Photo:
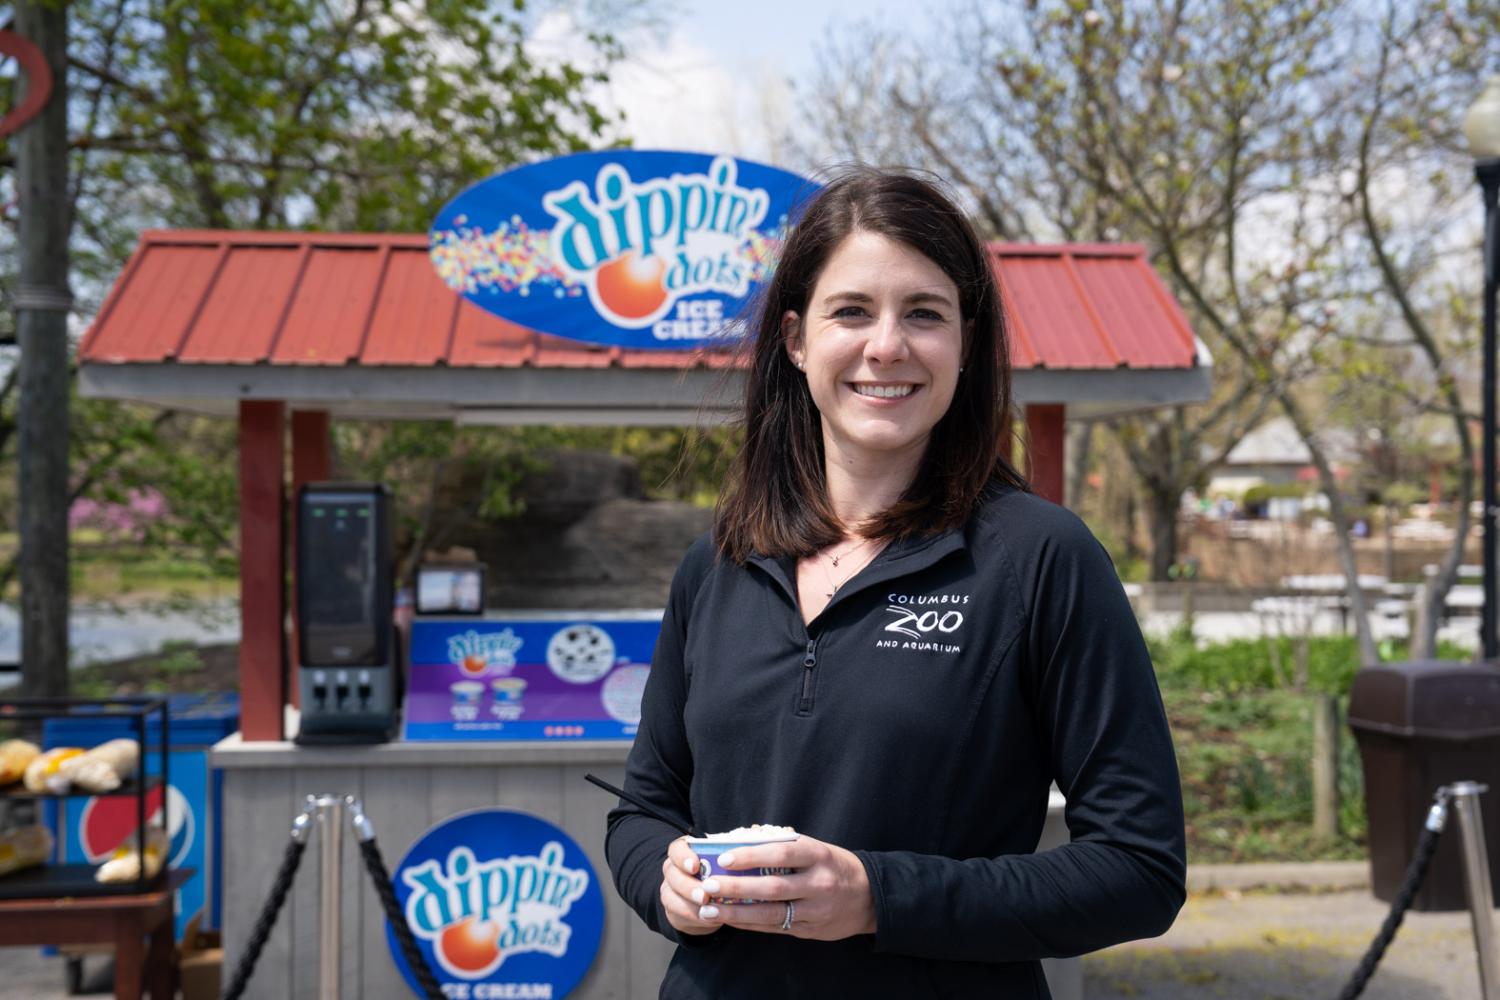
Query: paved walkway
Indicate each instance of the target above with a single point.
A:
(1259, 946)
(1230, 946)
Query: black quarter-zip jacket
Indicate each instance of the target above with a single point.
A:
(918, 721)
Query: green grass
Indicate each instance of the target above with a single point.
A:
(1244, 744)
(115, 572)
(1245, 760)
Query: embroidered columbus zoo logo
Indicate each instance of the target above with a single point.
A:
(925, 619)
(477, 914)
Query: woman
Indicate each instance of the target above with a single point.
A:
(889, 644)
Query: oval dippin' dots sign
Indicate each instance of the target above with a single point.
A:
(502, 904)
(630, 248)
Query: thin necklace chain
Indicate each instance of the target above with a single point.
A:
(833, 584)
(850, 550)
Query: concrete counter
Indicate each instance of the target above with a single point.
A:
(406, 789)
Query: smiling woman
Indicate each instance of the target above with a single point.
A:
(881, 347)
(803, 676)
(883, 291)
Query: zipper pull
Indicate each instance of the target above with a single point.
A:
(809, 661)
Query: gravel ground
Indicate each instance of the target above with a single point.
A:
(26, 975)
(1229, 946)
(1255, 946)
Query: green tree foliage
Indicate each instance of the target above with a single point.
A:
(363, 114)
(354, 114)
(1291, 166)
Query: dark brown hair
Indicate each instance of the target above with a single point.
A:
(776, 503)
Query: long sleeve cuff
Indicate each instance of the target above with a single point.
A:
(1056, 904)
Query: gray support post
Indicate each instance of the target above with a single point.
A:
(1477, 882)
(330, 895)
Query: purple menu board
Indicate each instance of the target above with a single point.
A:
(542, 676)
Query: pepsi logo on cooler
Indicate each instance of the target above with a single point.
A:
(631, 248)
(107, 823)
(502, 904)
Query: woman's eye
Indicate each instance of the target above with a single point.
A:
(926, 315)
(848, 312)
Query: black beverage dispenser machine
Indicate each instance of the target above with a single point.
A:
(350, 677)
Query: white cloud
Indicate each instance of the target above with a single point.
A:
(675, 93)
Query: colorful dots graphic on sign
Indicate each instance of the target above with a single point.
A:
(631, 248)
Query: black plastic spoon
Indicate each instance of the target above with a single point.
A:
(675, 824)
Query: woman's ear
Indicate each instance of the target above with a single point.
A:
(791, 336)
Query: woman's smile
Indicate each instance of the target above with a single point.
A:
(884, 390)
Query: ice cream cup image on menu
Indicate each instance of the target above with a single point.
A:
(466, 692)
(709, 848)
(508, 690)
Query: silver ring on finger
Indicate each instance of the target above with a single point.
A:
(791, 914)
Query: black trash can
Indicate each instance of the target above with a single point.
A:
(1420, 725)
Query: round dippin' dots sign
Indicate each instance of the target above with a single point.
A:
(502, 904)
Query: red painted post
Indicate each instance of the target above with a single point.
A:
(1044, 448)
(312, 458)
(312, 447)
(262, 569)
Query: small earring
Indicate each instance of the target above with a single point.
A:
(960, 369)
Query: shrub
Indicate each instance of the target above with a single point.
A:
(1248, 664)
(1257, 495)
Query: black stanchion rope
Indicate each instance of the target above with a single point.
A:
(1416, 872)
(279, 889)
(414, 958)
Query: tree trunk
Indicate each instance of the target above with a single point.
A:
(1080, 438)
(1390, 542)
(1162, 510)
(1435, 594)
(41, 322)
(1368, 653)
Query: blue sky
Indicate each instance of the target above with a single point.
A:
(781, 30)
(716, 76)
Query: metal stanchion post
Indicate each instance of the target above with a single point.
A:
(330, 845)
(1477, 882)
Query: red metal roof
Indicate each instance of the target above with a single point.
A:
(296, 298)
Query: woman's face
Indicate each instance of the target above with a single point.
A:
(881, 344)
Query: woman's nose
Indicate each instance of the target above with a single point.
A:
(887, 343)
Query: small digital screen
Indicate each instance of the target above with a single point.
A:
(450, 590)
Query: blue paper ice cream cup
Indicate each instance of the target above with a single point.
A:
(710, 848)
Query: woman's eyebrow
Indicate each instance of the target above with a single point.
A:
(912, 299)
(938, 297)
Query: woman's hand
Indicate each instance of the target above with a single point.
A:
(682, 895)
(828, 888)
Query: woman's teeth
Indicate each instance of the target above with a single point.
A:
(885, 391)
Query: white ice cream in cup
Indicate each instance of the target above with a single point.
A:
(466, 692)
(711, 846)
(508, 689)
